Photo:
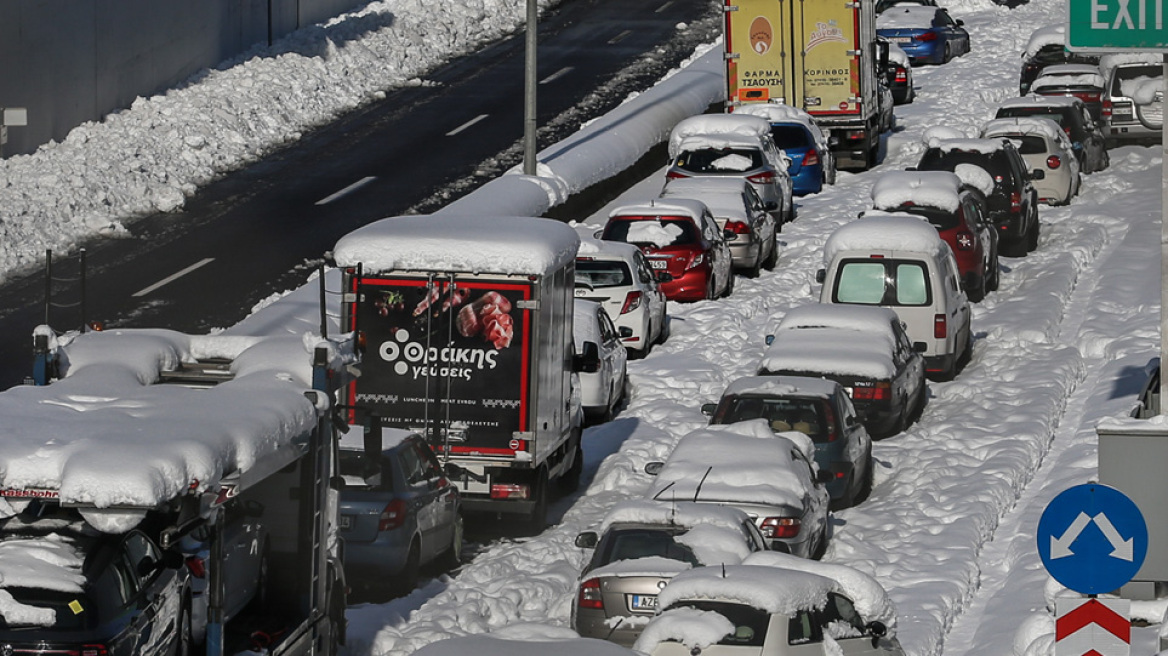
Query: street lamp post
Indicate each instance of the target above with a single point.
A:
(529, 87)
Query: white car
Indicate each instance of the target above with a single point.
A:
(738, 209)
(1045, 147)
(770, 476)
(770, 609)
(602, 360)
(619, 277)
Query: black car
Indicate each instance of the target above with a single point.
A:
(95, 594)
(1071, 114)
(1013, 202)
(1048, 55)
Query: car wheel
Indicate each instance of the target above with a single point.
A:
(977, 289)
(663, 334)
(753, 271)
(729, 287)
(947, 56)
(259, 600)
(537, 520)
(406, 580)
(1032, 236)
(865, 483)
(773, 257)
(183, 640)
(995, 275)
(452, 557)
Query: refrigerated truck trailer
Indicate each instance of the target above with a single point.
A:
(467, 329)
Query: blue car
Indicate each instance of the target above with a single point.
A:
(928, 35)
(812, 164)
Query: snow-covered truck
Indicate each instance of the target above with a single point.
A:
(154, 428)
(822, 57)
(467, 330)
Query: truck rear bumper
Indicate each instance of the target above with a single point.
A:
(501, 506)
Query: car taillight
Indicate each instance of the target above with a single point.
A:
(632, 302)
(872, 391)
(393, 516)
(673, 175)
(1053, 162)
(94, 650)
(696, 261)
(1015, 201)
(927, 36)
(1106, 108)
(766, 177)
(738, 227)
(1087, 96)
(590, 595)
(831, 432)
(780, 527)
(901, 75)
(855, 135)
(811, 158)
(510, 491)
(940, 326)
(196, 567)
(964, 240)
(1120, 109)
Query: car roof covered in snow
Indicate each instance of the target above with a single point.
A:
(718, 124)
(896, 234)
(686, 514)
(602, 249)
(897, 55)
(775, 113)
(865, 318)
(776, 590)
(1090, 77)
(694, 209)
(984, 146)
(585, 326)
(830, 352)
(906, 17)
(1024, 125)
(1045, 36)
(781, 386)
(476, 244)
(939, 189)
(1040, 101)
(871, 599)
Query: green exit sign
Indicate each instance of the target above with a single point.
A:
(1117, 25)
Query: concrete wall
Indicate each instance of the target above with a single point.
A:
(71, 61)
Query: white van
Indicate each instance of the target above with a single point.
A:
(898, 261)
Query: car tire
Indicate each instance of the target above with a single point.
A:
(977, 290)
(663, 334)
(259, 600)
(184, 642)
(570, 480)
(537, 520)
(773, 256)
(1032, 236)
(451, 559)
(406, 580)
(729, 287)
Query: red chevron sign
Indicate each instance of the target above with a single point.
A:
(1092, 627)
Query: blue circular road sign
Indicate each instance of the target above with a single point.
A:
(1092, 538)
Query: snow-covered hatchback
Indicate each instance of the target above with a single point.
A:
(619, 277)
(1044, 147)
(638, 547)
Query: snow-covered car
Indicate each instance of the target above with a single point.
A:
(733, 145)
(817, 407)
(619, 277)
(899, 262)
(1012, 201)
(398, 511)
(797, 134)
(899, 73)
(1045, 147)
(864, 349)
(928, 35)
(769, 476)
(1047, 47)
(1082, 81)
(956, 213)
(885, 5)
(1133, 101)
(681, 238)
(246, 549)
(1071, 114)
(638, 547)
(739, 211)
(602, 360)
(766, 610)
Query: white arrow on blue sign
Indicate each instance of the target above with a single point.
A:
(1092, 538)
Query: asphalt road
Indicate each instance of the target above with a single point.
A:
(261, 230)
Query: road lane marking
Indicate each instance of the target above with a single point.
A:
(347, 190)
(171, 278)
(620, 37)
(466, 125)
(558, 74)
(665, 6)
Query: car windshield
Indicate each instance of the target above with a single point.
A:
(750, 624)
(720, 160)
(598, 273)
(790, 136)
(882, 282)
(784, 414)
(630, 543)
(652, 231)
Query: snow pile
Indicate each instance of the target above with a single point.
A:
(696, 629)
(891, 233)
(513, 245)
(871, 600)
(1001, 127)
(775, 113)
(975, 176)
(1050, 80)
(772, 589)
(747, 128)
(938, 189)
(906, 17)
(938, 133)
(657, 233)
(50, 562)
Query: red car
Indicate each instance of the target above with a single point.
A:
(681, 238)
(957, 211)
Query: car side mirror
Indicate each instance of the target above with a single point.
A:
(624, 331)
(709, 408)
(876, 629)
(729, 235)
(959, 22)
(663, 276)
(587, 540)
(598, 233)
(920, 347)
(654, 468)
(588, 361)
(1038, 174)
(910, 168)
(770, 339)
(820, 276)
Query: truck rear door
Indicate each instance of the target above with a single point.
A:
(758, 55)
(827, 57)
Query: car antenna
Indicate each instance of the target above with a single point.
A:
(614, 628)
(723, 570)
(656, 496)
(702, 482)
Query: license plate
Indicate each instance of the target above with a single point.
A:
(643, 602)
(900, 39)
(346, 522)
(658, 264)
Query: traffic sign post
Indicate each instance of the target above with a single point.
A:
(1092, 538)
(1092, 626)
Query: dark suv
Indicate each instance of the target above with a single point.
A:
(1013, 202)
(1048, 55)
(89, 593)
(1072, 115)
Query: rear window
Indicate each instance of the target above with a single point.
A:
(806, 416)
(936, 160)
(750, 624)
(1029, 145)
(597, 274)
(790, 136)
(1053, 113)
(680, 231)
(720, 160)
(882, 282)
(362, 473)
(940, 219)
(627, 544)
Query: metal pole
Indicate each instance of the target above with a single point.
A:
(529, 86)
(1163, 245)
